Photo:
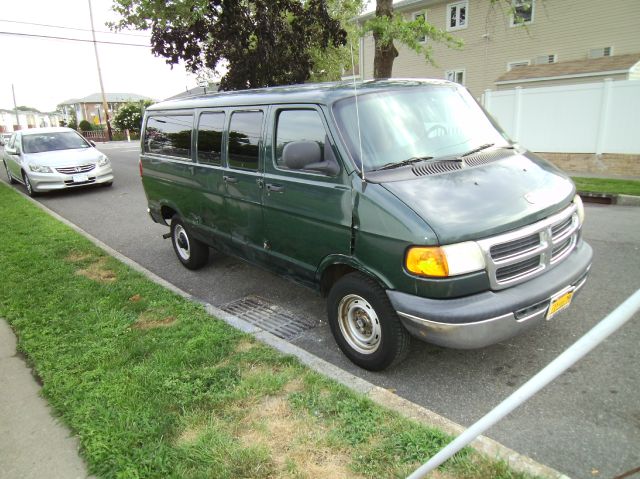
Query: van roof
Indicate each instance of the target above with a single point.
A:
(321, 93)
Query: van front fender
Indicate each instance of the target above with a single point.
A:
(335, 266)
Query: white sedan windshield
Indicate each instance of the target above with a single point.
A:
(67, 140)
(418, 122)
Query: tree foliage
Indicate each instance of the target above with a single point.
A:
(330, 62)
(85, 126)
(73, 121)
(264, 42)
(129, 116)
(388, 26)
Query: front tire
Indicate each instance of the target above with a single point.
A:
(364, 324)
(191, 252)
(28, 185)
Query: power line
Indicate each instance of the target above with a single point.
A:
(73, 39)
(71, 28)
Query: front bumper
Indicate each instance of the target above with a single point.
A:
(492, 316)
(42, 182)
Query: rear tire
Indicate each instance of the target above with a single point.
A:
(191, 252)
(364, 324)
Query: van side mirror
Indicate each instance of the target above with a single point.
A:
(306, 155)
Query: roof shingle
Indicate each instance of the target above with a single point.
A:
(575, 67)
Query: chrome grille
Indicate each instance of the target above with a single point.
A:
(516, 247)
(519, 255)
(73, 170)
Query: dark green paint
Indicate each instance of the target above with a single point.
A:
(314, 221)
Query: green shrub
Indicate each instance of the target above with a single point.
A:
(85, 126)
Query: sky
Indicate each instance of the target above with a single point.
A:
(46, 72)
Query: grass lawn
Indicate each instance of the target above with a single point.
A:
(154, 387)
(606, 185)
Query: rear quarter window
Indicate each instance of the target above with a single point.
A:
(169, 135)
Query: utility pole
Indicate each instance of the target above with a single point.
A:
(104, 98)
(15, 107)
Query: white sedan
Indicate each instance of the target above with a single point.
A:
(46, 159)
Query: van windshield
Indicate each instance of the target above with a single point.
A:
(431, 121)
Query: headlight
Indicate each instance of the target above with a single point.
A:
(103, 161)
(445, 261)
(40, 169)
(580, 208)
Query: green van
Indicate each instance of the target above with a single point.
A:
(399, 200)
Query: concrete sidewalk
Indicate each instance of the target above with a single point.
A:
(33, 444)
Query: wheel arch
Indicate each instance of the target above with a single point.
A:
(335, 267)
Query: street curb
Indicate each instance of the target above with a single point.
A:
(378, 395)
(609, 198)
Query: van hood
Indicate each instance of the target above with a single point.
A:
(478, 202)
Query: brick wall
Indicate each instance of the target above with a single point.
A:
(609, 164)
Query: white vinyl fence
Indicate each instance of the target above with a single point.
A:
(595, 118)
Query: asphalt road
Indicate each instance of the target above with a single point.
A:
(585, 424)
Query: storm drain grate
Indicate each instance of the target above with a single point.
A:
(270, 317)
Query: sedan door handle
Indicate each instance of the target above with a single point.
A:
(275, 188)
(230, 179)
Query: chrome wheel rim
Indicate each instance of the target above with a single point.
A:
(181, 240)
(359, 324)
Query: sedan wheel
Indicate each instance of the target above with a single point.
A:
(28, 186)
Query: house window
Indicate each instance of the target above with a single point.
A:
(457, 15)
(521, 63)
(522, 12)
(422, 16)
(544, 59)
(455, 76)
(600, 52)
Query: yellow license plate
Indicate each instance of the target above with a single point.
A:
(559, 302)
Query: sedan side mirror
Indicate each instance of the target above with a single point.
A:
(306, 155)
(92, 143)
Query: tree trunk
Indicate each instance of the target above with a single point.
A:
(385, 54)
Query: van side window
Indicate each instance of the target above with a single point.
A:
(244, 139)
(210, 129)
(169, 135)
(298, 125)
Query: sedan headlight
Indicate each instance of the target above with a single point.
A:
(103, 161)
(40, 169)
(445, 261)
(580, 208)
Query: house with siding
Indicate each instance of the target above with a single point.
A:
(90, 107)
(546, 42)
(27, 119)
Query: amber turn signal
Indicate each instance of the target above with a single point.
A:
(427, 261)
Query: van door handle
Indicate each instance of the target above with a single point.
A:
(275, 188)
(230, 179)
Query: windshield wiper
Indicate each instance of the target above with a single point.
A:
(414, 159)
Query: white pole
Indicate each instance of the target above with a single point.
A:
(579, 349)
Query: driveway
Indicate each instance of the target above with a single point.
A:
(586, 424)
